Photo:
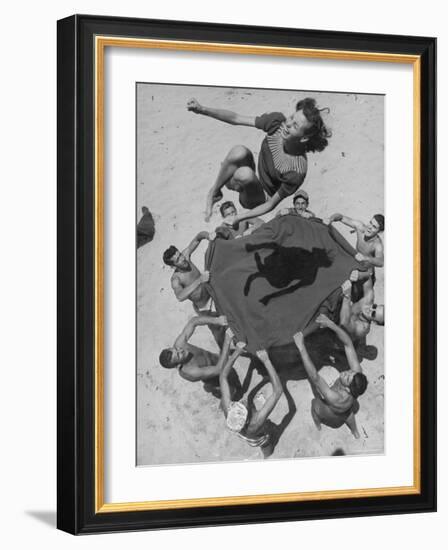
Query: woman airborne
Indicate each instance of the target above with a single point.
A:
(282, 162)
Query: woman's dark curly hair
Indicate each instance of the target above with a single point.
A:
(318, 134)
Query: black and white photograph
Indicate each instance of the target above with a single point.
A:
(260, 274)
(195, 345)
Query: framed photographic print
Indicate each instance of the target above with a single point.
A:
(224, 270)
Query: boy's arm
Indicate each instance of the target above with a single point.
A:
(376, 259)
(379, 254)
(195, 243)
(284, 212)
(194, 322)
(186, 334)
(355, 224)
(346, 307)
(352, 357)
(230, 117)
(317, 381)
(217, 321)
(259, 418)
(346, 311)
(194, 373)
(368, 292)
(183, 292)
(225, 371)
(211, 199)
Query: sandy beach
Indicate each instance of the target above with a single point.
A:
(178, 157)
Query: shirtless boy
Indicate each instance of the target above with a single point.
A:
(356, 318)
(247, 422)
(300, 203)
(187, 281)
(282, 162)
(335, 405)
(195, 363)
(228, 212)
(368, 244)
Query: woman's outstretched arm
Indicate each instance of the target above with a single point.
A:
(225, 370)
(260, 210)
(221, 114)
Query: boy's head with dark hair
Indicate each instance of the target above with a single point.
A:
(227, 208)
(166, 358)
(168, 255)
(358, 385)
(355, 382)
(380, 219)
(375, 226)
(373, 313)
(172, 357)
(176, 259)
(301, 201)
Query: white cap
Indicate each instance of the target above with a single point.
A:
(236, 416)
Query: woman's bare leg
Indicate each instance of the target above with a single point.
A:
(245, 181)
(237, 157)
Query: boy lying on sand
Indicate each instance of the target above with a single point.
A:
(195, 363)
(187, 281)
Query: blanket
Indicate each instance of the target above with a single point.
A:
(272, 283)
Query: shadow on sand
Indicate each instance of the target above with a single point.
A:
(324, 349)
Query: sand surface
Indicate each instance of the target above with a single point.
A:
(178, 157)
